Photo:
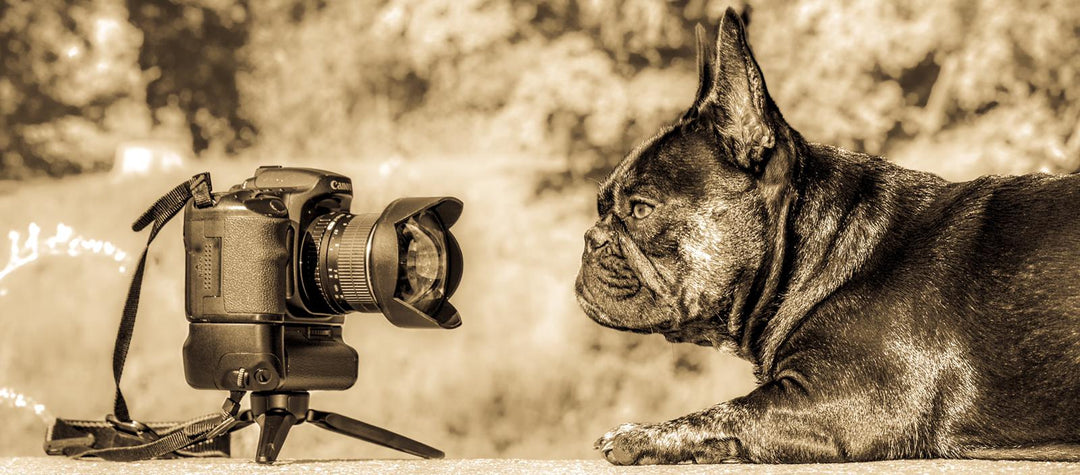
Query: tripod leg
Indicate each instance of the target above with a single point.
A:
(376, 435)
(275, 425)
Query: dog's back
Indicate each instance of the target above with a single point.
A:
(1018, 305)
(970, 302)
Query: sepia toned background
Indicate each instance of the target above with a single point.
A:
(517, 108)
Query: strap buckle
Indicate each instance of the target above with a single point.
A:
(201, 187)
(134, 428)
(227, 423)
(229, 410)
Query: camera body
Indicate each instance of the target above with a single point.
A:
(250, 328)
(274, 263)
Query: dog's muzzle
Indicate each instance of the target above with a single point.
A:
(604, 263)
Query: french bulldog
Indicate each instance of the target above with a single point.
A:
(888, 313)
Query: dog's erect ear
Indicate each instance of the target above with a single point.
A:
(706, 68)
(738, 104)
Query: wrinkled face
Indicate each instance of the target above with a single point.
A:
(683, 219)
(678, 228)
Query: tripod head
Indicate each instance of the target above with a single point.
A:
(277, 412)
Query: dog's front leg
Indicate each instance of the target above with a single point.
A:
(774, 423)
(701, 437)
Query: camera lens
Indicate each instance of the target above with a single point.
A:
(335, 268)
(403, 262)
(334, 263)
(422, 262)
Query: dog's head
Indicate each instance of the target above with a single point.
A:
(683, 219)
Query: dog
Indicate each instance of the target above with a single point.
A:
(888, 313)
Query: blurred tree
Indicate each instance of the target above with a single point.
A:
(554, 78)
(77, 78)
(68, 86)
(573, 83)
(192, 51)
(929, 82)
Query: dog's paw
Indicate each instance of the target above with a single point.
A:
(654, 444)
(635, 444)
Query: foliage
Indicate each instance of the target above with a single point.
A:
(79, 78)
(572, 83)
(549, 78)
(66, 86)
(578, 83)
(191, 55)
(995, 80)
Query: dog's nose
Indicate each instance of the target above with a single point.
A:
(596, 238)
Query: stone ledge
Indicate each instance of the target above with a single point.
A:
(234, 466)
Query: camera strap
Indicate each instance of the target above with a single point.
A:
(119, 438)
(198, 187)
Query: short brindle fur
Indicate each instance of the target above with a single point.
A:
(888, 313)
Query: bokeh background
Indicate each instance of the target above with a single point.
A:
(517, 107)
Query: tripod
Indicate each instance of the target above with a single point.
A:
(277, 412)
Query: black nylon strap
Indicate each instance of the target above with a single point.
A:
(159, 213)
(185, 435)
(120, 438)
(74, 436)
(174, 439)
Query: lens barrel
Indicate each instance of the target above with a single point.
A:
(404, 263)
(335, 259)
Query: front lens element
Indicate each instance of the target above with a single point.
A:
(422, 262)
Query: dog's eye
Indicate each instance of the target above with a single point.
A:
(642, 210)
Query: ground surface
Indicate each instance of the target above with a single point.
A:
(55, 465)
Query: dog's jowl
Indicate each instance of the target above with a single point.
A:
(888, 313)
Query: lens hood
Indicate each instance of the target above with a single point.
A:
(384, 263)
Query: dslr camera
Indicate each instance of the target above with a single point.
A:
(272, 267)
(275, 263)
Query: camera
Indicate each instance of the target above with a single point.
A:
(273, 265)
(275, 262)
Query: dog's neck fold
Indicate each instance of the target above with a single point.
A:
(828, 222)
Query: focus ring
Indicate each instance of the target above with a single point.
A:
(316, 232)
(352, 265)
